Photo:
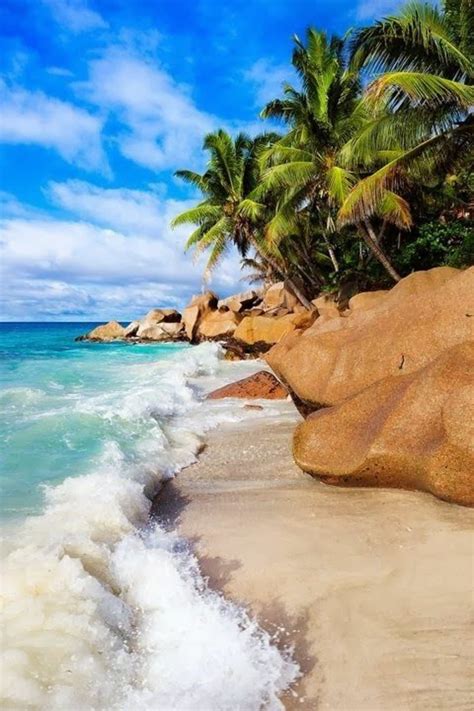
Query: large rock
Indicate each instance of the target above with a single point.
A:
(326, 306)
(218, 324)
(254, 329)
(414, 431)
(107, 332)
(163, 315)
(279, 296)
(240, 302)
(366, 299)
(132, 329)
(397, 333)
(155, 317)
(260, 385)
(197, 309)
(162, 332)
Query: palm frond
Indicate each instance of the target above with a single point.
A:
(420, 87)
(339, 181)
(284, 175)
(197, 215)
(251, 209)
(416, 163)
(189, 176)
(396, 210)
(418, 38)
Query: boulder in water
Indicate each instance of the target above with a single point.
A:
(197, 309)
(162, 332)
(107, 332)
(156, 317)
(132, 329)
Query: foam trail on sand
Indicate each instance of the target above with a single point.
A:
(102, 610)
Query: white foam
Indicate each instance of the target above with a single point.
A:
(101, 612)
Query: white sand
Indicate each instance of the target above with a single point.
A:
(372, 587)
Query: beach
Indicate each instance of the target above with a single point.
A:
(371, 587)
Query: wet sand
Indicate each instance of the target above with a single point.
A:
(372, 587)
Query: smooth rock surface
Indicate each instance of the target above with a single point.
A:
(254, 329)
(278, 295)
(423, 315)
(198, 308)
(259, 385)
(132, 329)
(414, 431)
(326, 306)
(155, 317)
(218, 324)
(162, 331)
(240, 302)
(107, 332)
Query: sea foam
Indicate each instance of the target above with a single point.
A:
(104, 611)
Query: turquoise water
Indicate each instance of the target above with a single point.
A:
(60, 405)
(100, 607)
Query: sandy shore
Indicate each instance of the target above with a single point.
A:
(372, 587)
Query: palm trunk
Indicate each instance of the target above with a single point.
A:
(331, 253)
(293, 287)
(371, 241)
(274, 265)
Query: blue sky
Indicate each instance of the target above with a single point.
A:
(100, 104)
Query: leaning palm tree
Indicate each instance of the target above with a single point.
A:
(304, 167)
(420, 101)
(228, 214)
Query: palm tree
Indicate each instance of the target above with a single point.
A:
(304, 167)
(420, 102)
(229, 214)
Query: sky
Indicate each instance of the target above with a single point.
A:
(100, 103)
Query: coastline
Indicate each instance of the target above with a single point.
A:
(350, 578)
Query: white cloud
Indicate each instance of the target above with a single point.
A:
(161, 126)
(268, 79)
(130, 211)
(369, 9)
(75, 15)
(122, 261)
(32, 117)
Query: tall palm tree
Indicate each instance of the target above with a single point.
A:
(420, 101)
(304, 167)
(229, 214)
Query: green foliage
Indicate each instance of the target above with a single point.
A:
(438, 244)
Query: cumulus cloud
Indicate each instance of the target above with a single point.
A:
(75, 15)
(33, 118)
(130, 211)
(119, 261)
(268, 79)
(161, 126)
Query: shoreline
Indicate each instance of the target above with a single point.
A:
(349, 578)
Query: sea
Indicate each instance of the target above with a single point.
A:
(101, 608)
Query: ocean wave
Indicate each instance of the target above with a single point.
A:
(102, 610)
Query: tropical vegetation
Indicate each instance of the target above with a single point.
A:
(370, 173)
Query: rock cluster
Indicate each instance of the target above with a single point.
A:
(390, 383)
(249, 323)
